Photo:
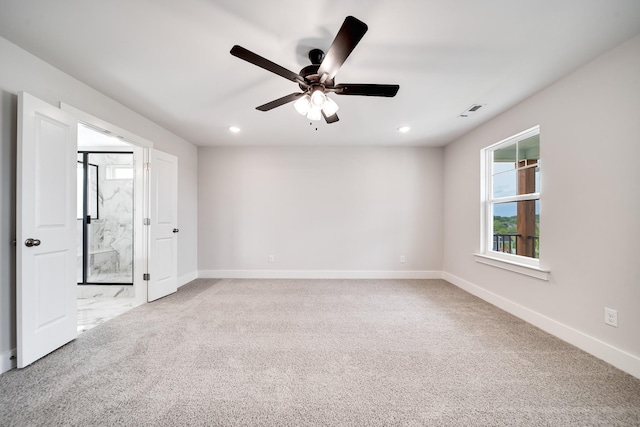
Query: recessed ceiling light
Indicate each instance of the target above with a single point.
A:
(234, 129)
(404, 129)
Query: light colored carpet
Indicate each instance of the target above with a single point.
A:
(318, 352)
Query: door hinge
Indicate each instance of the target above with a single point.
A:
(147, 166)
(146, 277)
(146, 221)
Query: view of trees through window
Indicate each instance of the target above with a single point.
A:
(505, 232)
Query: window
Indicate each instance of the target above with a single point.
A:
(511, 199)
(119, 172)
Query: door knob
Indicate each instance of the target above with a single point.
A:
(31, 242)
(176, 230)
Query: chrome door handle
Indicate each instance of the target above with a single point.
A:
(31, 242)
(176, 230)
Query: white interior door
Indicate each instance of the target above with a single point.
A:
(163, 236)
(46, 227)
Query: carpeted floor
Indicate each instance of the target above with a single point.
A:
(319, 352)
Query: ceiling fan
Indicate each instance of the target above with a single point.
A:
(317, 80)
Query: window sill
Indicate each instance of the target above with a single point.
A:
(527, 270)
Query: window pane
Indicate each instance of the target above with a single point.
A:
(505, 227)
(119, 172)
(529, 149)
(499, 167)
(527, 179)
(529, 171)
(536, 238)
(504, 159)
(516, 228)
(505, 184)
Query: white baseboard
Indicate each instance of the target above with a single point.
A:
(6, 361)
(186, 278)
(619, 358)
(317, 274)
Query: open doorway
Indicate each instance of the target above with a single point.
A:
(105, 227)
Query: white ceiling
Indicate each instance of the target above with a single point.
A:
(169, 60)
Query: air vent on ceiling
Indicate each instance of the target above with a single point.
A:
(469, 111)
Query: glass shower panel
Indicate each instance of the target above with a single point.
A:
(110, 232)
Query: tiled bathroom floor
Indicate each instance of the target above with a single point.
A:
(94, 311)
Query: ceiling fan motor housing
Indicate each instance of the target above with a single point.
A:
(310, 75)
(316, 56)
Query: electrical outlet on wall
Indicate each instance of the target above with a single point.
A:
(402, 258)
(611, 317)
(272, 258)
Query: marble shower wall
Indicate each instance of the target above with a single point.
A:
(111, 234)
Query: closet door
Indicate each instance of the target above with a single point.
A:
(45, 229)
(163, 236)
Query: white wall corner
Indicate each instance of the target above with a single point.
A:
(622, 360)
(186, 278)
(7, 361)
(318, 274)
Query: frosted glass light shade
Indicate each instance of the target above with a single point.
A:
(318, 98)
(315, 113)
(330, 107)
(303, 105)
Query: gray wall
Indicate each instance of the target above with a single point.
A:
(319, 208)
(21, 71)
(590, 204)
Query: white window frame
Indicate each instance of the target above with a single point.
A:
(516, 263)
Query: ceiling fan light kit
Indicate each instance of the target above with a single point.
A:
(317, 79)
(313, 106)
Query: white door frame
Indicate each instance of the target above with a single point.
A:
(140, 147)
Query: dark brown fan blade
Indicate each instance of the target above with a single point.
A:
(330, 119)
(366, 89)
(247, 55)
(346, 40)
(278, 102)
